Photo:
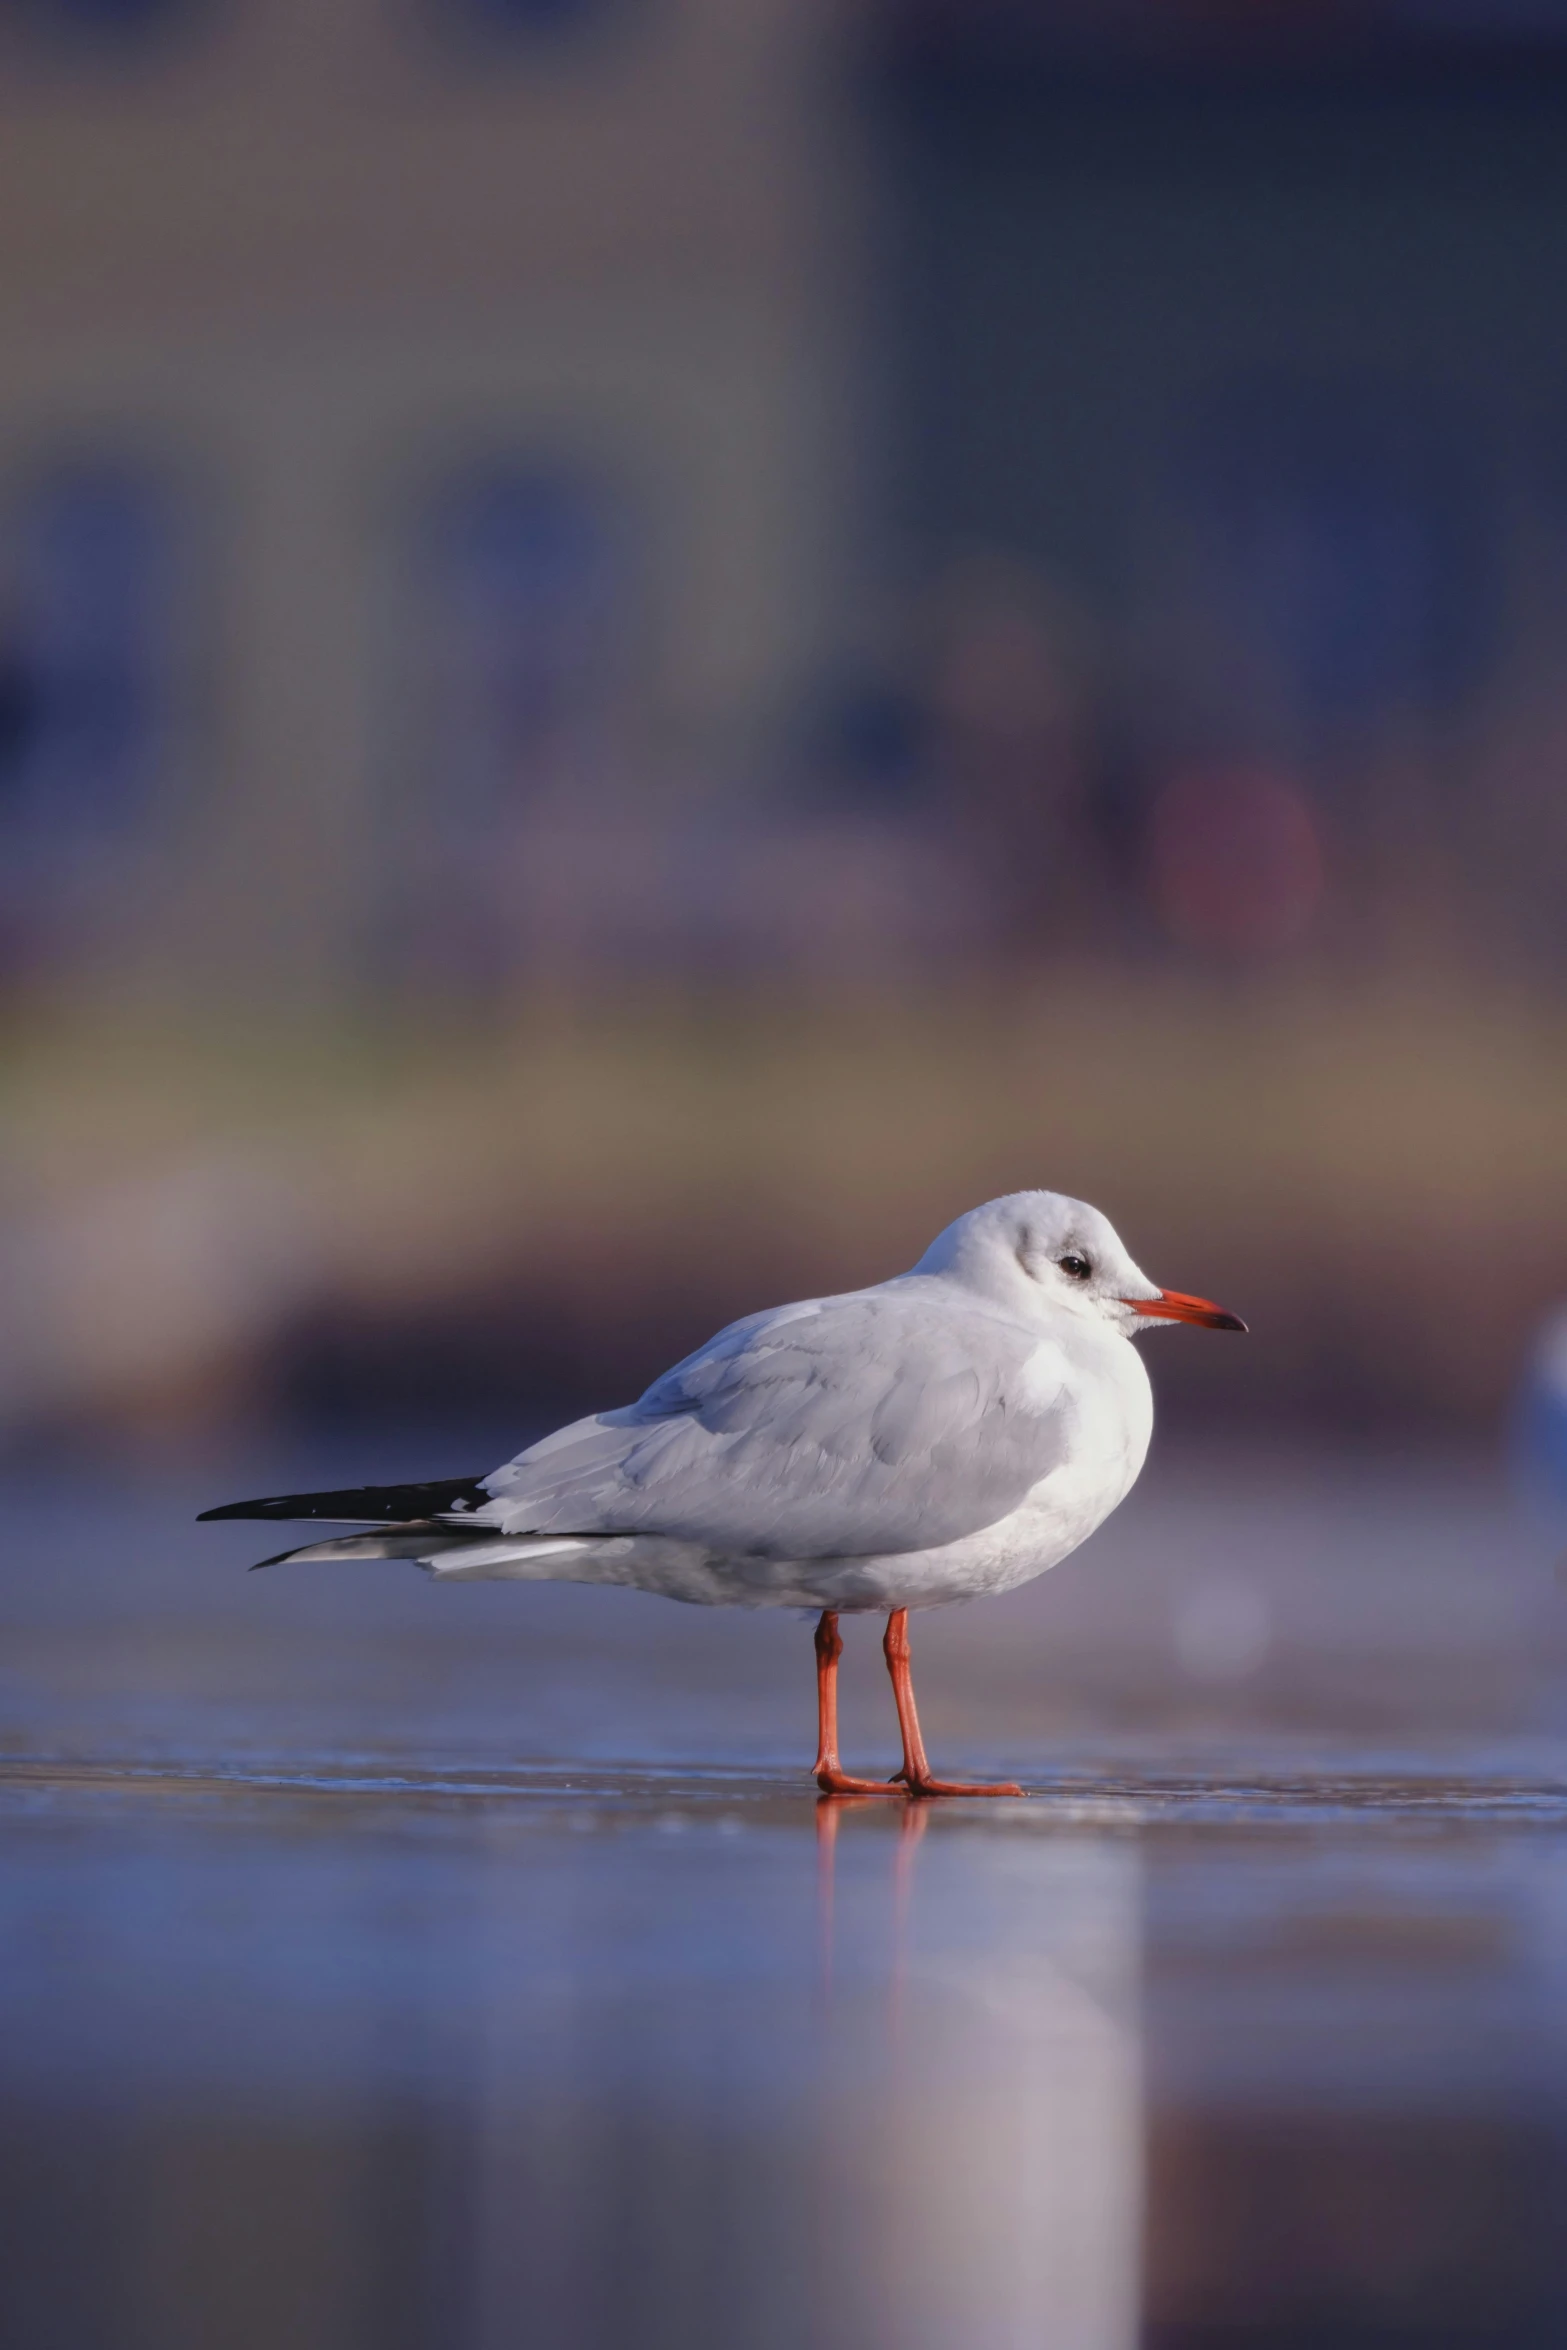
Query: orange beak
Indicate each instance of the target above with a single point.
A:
(1171, 1306)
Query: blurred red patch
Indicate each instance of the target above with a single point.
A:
(1235, 859)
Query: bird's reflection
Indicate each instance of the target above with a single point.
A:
(913, 1820)
(980, 1990)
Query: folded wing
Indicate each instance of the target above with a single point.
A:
(890, 1420)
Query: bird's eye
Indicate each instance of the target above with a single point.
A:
(1079, 1268)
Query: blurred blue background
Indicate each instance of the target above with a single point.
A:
(644, 647)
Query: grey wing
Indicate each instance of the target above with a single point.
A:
(890, 1420)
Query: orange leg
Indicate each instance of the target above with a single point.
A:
(916, 1772)
(831, 1777)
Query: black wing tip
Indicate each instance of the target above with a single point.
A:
(281, 1505)
(361, 1504)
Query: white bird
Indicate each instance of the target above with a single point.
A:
(951, 1432)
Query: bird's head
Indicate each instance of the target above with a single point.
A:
(1038, 1249)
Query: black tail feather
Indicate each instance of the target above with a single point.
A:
(365, 1504)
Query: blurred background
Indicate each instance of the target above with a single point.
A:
(645, 645)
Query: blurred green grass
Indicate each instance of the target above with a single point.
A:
(1373, 1175)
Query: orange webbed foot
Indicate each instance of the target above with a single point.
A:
(832, 1781)
(922, 1787)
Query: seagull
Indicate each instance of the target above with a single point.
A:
(952, 1432)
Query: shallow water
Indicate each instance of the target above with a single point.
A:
(388, 1965)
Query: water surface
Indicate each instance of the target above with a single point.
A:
(391, 1965)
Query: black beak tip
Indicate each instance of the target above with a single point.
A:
(1231, 1322)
